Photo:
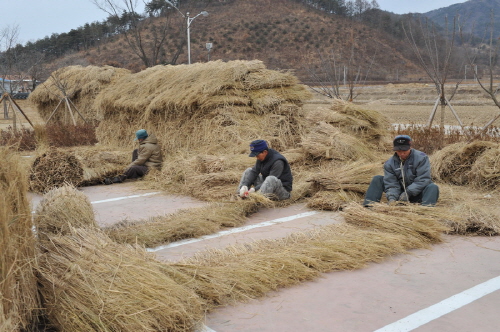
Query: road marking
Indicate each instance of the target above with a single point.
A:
(442, 308)
(233, 231)
(124, 197)
(205, 328)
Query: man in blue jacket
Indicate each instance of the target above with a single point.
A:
(271, 175)
(407, 177)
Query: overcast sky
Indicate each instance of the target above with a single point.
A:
(40, 18)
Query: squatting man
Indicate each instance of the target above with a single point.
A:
(407, 177)
(147, 156)
(271, 175)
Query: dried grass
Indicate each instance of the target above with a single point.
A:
(453, 163)
(54, 168)
(61, 209)
(19, 300)
(187, 223)
(333, 200)
(80, 84)
(485, 173)
(90, 283)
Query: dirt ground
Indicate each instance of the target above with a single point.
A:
(401, 103)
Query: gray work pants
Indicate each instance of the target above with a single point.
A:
(428, 196)
(270, 187)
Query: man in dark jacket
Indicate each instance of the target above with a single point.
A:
(271, 175)
(146, 156)
(407, 177)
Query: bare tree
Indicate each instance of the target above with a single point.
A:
(147, 39)
(435, 52)
(8, 39)
(340, 73)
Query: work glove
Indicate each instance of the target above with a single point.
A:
(404, 197)
(243, 191)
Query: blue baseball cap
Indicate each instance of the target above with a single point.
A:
(141, 134)
(257, 147)
(402, 143)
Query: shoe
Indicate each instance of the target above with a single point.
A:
(108, 181)
(118, 179)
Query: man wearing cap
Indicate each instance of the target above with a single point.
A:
(271, 175)
(407, 177)
(147, 155)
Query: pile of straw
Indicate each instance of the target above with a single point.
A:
(345, 132)
(90, 283)
(62, 208)
(184, 224)
(53, 169)
(19, 299)
(242, 272)
(242, 99)
(80, 84)
(485, 173)
(453, 164)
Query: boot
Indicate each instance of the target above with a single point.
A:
(119, 179)
(108, 181)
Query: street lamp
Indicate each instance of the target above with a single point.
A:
(189, 20)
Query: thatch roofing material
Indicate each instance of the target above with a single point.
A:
(55, 168)
(80, 84)
(90, 283)
(61, 209)
(453, 164)
(19, 299)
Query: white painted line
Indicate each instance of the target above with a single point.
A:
(205, 328)
(442, 308)
(233, 231)
(124, 197)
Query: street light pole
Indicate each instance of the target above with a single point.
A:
(188, 21)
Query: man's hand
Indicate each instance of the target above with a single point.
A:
(391, 202)
(244, 191)
(404, 197)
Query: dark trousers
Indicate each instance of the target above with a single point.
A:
(428, 196)
(135, 172)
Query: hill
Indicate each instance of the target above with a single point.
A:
(474, 16)
(284, 34)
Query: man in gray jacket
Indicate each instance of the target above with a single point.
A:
(407, 177)
(271, 175)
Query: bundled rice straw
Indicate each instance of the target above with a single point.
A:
(19, 300)
(62, 208)
(185, 223)
(242, 272)
(90, 283)
(189, 102)
(80, 84)
(355, 176)
(485, 173)
(54, 168)
(333, 200)
(453, 163)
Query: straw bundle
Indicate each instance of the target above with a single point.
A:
(355, 176)
(63, 208)
(242, 272)
(80, 84)
(453, 163)
(188, 102)
(54, 168)
(90, 283)
(485, 173)
(333, 200)
(19, 300)
(184, 224)
(418, 230)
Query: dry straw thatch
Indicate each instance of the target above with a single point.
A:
(251, 270)
(201, 104)
(345, 132)
(61, 209)
(19, 300)
(90, 283)
(54, 168)
(80, 84)
(453, 164)
(184, 224)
